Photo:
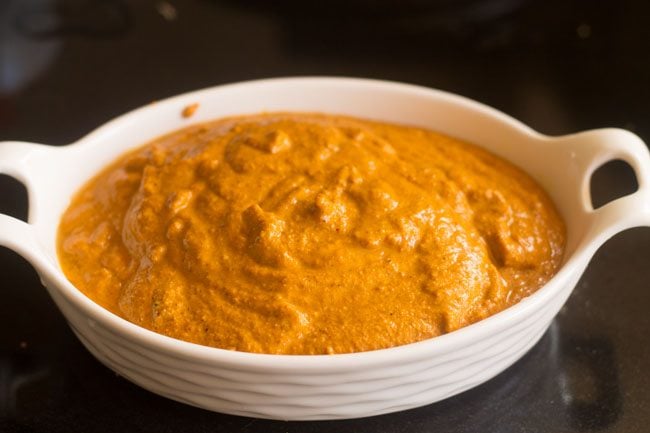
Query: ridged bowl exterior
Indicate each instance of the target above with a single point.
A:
(290, 394)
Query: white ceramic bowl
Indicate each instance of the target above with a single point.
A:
(327, 386)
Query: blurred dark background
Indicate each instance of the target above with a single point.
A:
(560, 66)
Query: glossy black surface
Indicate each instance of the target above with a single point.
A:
(558, 65)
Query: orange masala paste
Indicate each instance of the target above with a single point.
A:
(308, 234)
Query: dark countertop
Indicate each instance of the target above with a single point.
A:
(558, 65)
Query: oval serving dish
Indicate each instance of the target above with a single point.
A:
(293, 387)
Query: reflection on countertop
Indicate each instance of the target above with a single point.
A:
(18, 369)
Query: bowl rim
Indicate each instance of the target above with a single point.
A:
(572, 264)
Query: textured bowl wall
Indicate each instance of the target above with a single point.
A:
(424, 376)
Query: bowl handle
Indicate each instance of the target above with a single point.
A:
(633, 210)
(16, 161)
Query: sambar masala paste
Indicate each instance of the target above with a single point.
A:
(308, 234)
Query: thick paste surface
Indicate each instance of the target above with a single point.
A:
(308, 234)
